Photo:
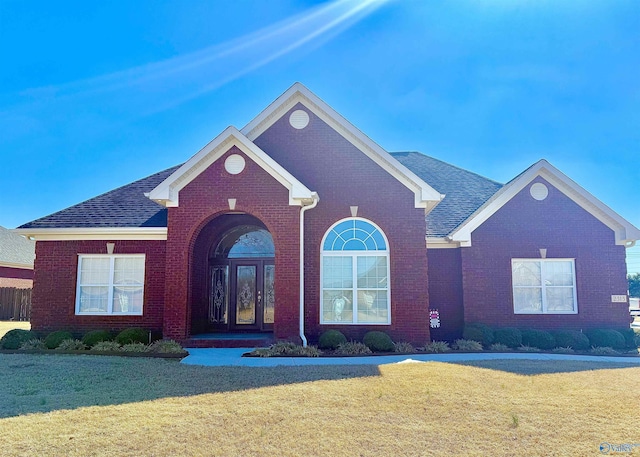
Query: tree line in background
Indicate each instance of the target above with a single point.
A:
(634, 285)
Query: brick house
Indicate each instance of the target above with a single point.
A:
(299, 223)
(16, 260)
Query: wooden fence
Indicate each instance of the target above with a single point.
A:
(15, 304)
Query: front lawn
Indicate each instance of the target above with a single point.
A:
(87, 405)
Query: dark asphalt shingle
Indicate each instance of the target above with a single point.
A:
(128, 207)
(16, 249)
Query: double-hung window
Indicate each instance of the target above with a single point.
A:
(110, 284)
(544, 286)
(355, 274)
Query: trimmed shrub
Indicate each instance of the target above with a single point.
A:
(378, 342)
(71, 345)
(95, 336)
(404, 347)
(606, 338)
(15, 338)
(538, 339)
(499, 347)
(33, 344)
(132, 335)
(629, 337)
(437, 347)
(353, 348)
(331, 339)
(510, 337)
(169, 347)
(467, 345)
(574, 339)
(106, 346)
(481, 333)
(53, 340)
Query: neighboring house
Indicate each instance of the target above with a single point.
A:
(16, 260)
(299, 223)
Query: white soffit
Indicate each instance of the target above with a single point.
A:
(425, 195)
(97, 233)
(167, 192)
(625, 232)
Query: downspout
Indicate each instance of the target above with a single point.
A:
(313, 204)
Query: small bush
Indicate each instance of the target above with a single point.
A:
(573, 339)
(629, 338)
(331, 339)
(53, 340)
(71, 345)
(508, 336)
(404, 347)
(95, 336)
(478, 332)
(437, 347)
(106, 346)
(15, 338)
(603, 350)
(538, 339)
(499, 347)
(285, 348)
(563, 350)
(526, 348)
(165, 347)
(36, 343)
(134, 347)
(467, 345)
(606, 338)
(378, 342)
(132, 335)
(353, 348)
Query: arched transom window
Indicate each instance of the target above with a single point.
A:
(355, 274)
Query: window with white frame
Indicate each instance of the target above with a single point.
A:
(355, 274)
(110, 284)
(544, 286)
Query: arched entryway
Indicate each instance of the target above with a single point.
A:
(239, 275)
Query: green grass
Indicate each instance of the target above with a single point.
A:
(88, 405)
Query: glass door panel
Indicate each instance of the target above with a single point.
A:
(218, 298)
(269, 297)
(245, 295)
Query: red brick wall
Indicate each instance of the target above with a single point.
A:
(445, 292)
(54, 288)
(343, 176)
(20, 278)
(257, 193)
(518, 230)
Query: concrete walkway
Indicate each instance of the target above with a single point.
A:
(233, 357)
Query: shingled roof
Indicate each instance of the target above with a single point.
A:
(127, 206)
(464, 191)
(16, 249)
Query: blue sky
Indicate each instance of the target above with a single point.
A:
(94, 95)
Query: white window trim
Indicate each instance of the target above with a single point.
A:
(354, 271)
(109, 311)
(544, 287)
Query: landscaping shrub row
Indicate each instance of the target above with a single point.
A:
(128, 340)
(511, 337)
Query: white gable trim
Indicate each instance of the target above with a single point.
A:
(97, 233)
(167, 192)
(18, 266)
(625, 233)
(425, 195)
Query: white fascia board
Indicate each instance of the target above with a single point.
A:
(20, 266)
(625, 232)
(425, 196)
(441, 243)
(167, 192)
(98, 233)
